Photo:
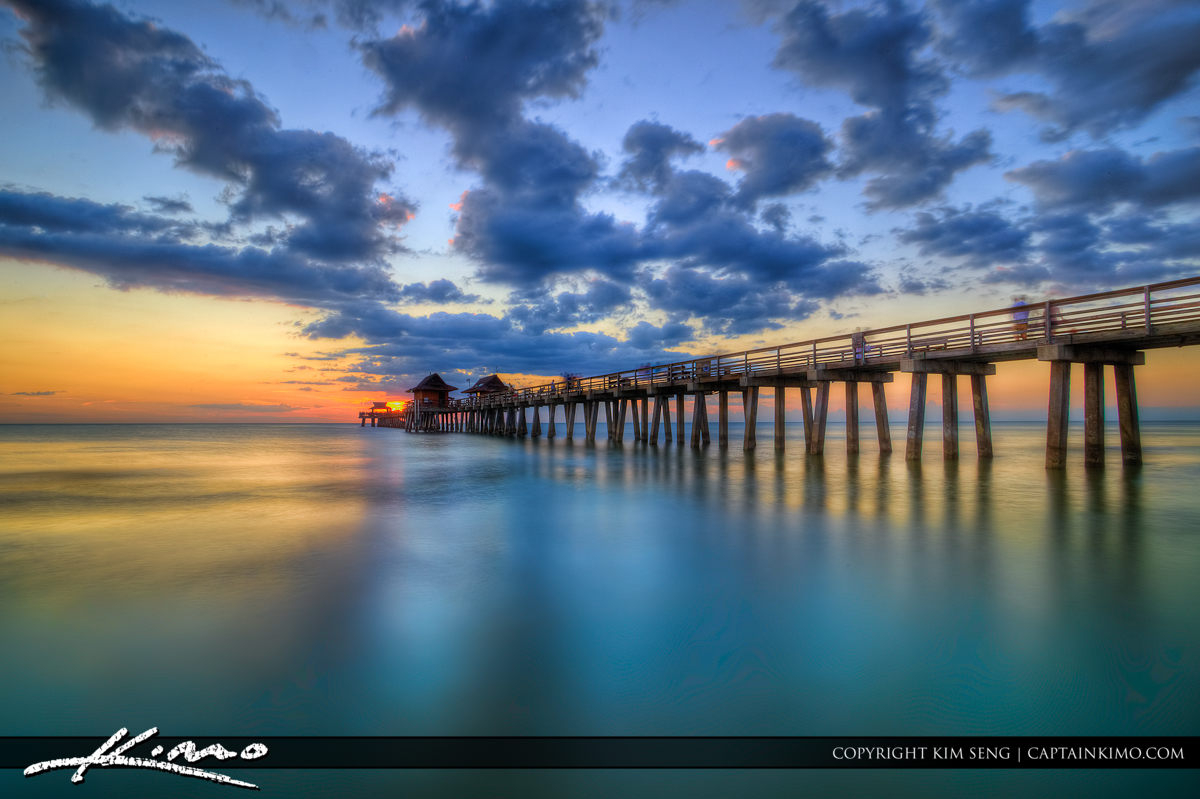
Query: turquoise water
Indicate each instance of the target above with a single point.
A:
(227, 580)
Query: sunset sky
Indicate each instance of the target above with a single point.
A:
(274, 210)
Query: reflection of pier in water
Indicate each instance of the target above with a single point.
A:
(1096, 330)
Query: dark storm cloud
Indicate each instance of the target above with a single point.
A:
(132, 249)
(650, 147)
(129, 73)
(1108, 65)
(982, 237)
(780, 154)
(1099, 179)
(875, 55)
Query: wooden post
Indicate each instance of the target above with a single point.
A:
(522, 430)
(983, 417)
(536, 429)
(705, 438)
(619, 436)
(1127, 414)
(723, 418)
(916, 417)
(645, 418)
(590, 412)
(820, 415)
(1056, 422)
(1093, 414)
(655, 420)
(550, 432)
(806, 408)
(697, 416)
(882, 428)
(637, 420)
(679, 420)
(609, 422)
(750, 413)
(780, 417)
(950, 417)
(666, 411)
(569, 411)
(851, 417)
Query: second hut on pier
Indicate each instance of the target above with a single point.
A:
(486, 386)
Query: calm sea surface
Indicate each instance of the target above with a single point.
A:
(229, 580)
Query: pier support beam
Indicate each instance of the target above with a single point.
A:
(619, 435)
(916, 416)
(609, 421)
(522, 430)
(1057, 416)
(591, 410)
(679, 420)
(816, 444)
(780, 417)
(700, 433)
(750, 414)
(666, 411)
(950, 417)
(535, 430)
(983, 416)
(645, 419)
(1093, 414)
(550, 431)
(655, 421)
(637, 420)
(570, 409)
(723, 419)
(882, 429)
(806, 412)
(851, 418)
(1127, 414)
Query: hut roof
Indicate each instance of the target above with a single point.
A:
(376, 405)
(487, 385)
(433, 382)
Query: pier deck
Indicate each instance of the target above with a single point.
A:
(1111, 328)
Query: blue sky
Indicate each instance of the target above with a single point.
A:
(531, 187)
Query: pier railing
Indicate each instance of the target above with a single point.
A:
(1137, 312)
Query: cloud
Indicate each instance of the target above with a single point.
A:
(126, 73)
(169, 205)
(537, 314)
(131, 249)
(982, 237)
(246, 407)
(876, 57)
(1107, 65)
(435, 291)
(34, 393)
(650, 147)
(470, 67)
(779, 154)
(1100, 179)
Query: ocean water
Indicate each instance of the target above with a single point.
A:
(234, 580)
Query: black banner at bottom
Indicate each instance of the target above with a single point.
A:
(291, 752)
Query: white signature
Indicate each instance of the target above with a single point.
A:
(103, 758)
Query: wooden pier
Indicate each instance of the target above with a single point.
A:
(1111, 328)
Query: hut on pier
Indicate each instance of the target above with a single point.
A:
(492, 384)
(432, 392)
